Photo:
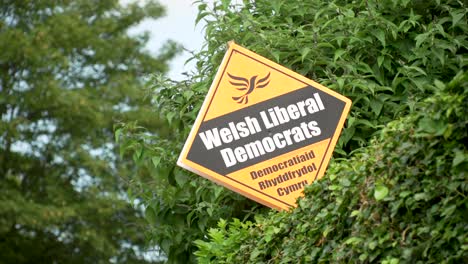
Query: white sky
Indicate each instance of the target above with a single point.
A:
(179, 25)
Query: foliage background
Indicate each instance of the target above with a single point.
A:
(396, 190)
(68, 72)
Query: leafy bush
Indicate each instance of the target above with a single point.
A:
(391, 58)
(403, 199)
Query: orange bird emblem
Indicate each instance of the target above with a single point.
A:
(243, 84)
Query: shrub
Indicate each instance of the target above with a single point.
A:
(391, 58)
(402, 199)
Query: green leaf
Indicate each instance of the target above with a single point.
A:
(150, 215)
(363, 257)
(156, 161)
(421, 196)
(338, 54)
(202, 7)
(364, 123)
(349, 13)
(381, 191)
(448, 211)
(188, 94)
(217, 191)
(372, 245)
(418, 69)
(255, 253)
(440, 85)
(181, 178)
(276, 55)
(138, 153)
(376, 106)
(340, 82)
(355, 212)
(380, 60)
(353, 240)
(170, 117)
(432, 127)
(117, 134)
(304, 52)
(276, 5)
(457, 16)
(459, 158)
(420, 39)
(225, 3)
(380, 35)
(404, 194)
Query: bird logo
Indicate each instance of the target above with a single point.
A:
(251, 84)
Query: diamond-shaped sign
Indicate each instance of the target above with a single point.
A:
(264, 131)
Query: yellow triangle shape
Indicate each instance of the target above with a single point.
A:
(245, 79)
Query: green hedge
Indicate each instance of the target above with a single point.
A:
(403, 199)
(396, 185)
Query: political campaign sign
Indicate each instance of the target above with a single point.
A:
(263, 130)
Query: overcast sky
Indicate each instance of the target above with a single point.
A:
(178, 25)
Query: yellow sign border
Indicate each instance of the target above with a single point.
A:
(231, 184)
